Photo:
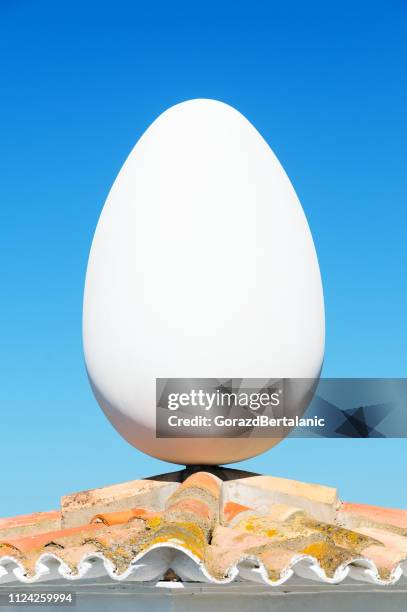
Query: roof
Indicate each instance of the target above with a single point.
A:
(260, 528)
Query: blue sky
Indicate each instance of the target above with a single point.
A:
(324, 83)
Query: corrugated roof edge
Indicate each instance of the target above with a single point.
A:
(152, 563)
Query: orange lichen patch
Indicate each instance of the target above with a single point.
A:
(377, 514)
(232, 509)
(191, 505)
(329, 556)
(123, 516)
(29, 543)
(317, 549)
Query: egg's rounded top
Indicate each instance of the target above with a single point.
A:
(202, 265)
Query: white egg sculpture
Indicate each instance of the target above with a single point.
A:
(202, 265)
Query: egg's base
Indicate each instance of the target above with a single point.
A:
(224, 473)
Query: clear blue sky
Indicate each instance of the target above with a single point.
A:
(324, 83)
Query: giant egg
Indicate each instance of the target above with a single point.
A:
(202, 265)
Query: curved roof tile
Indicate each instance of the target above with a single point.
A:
(258, 528)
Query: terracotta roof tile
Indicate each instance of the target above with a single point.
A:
(123, 516)
(357, 514)
(80, 508)
(385, 559)
(388, 539)
(73, 555)
(232, 509)
(28, 519)
(318, 500)
(27, 524)
(191, 506)
(204, 480)
(57, 538)
(277, 562)
(270, 529)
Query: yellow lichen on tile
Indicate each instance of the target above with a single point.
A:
(271, 532)
(154, 522)
(342, 537)
(330, 557)
(188, 535)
